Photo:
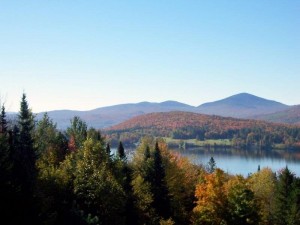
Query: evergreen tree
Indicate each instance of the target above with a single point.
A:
(5, 156)
(211, 166)
(121, 152)
(6, 181)
(3, 121)
(161, 201)
(141, 184)
(25, 153)
(294, 216)
(108, 153)
(147, 154)
(95, 135)
(284, 197)
(107, 149)
(24, 170)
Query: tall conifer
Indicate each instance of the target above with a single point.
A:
(160, 190)
(121, 151)
(25, 152)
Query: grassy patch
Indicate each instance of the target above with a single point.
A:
(195, 142)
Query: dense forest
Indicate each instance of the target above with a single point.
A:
(57, 177)
(185, 125)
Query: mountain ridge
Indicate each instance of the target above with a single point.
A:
(242, 105)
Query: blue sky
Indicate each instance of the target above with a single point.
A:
(87, 54)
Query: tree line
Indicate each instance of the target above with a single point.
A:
(73, 177)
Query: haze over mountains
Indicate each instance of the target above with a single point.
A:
(242, 105)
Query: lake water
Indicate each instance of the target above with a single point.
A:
(244, 161)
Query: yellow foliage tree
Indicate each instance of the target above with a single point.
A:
(211, 199)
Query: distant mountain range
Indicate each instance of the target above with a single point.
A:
(242, 105)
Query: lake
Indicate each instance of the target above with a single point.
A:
(244, 161)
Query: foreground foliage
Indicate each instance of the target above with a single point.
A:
(59, 178)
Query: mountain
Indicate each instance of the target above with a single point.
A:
(111, 115)
(187, 125)
(242, 105)
(290, 116)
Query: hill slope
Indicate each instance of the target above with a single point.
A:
(242, 105)
(290, 116)
(186, 125)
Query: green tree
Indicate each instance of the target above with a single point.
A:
(147, 154)
(211, 165)
(77, 132)
(24, 170)
(3, 121)
(287, 199)
(108, 151)
(50, 144)
(141, 184)
(294, 217)
(121, 151)
(161, 200)
(242, 206)
(25, 152)
(5, 155)
(97, 191)
(181, 178)
(262, 183)
(150, 184)
(7, 189)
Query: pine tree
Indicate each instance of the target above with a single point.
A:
(284, 194)
(211, 166)
(160, 190)
(147, 154)
(3, 121)
(121, 151)
(6, 187)
(107, 149)
(24, 170)
(5, 156)
(25, 153)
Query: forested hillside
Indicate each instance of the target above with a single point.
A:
(185, 125)
(289, 116)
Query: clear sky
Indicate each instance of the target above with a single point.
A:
(84, 54)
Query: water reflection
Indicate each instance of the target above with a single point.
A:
(243, 162)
